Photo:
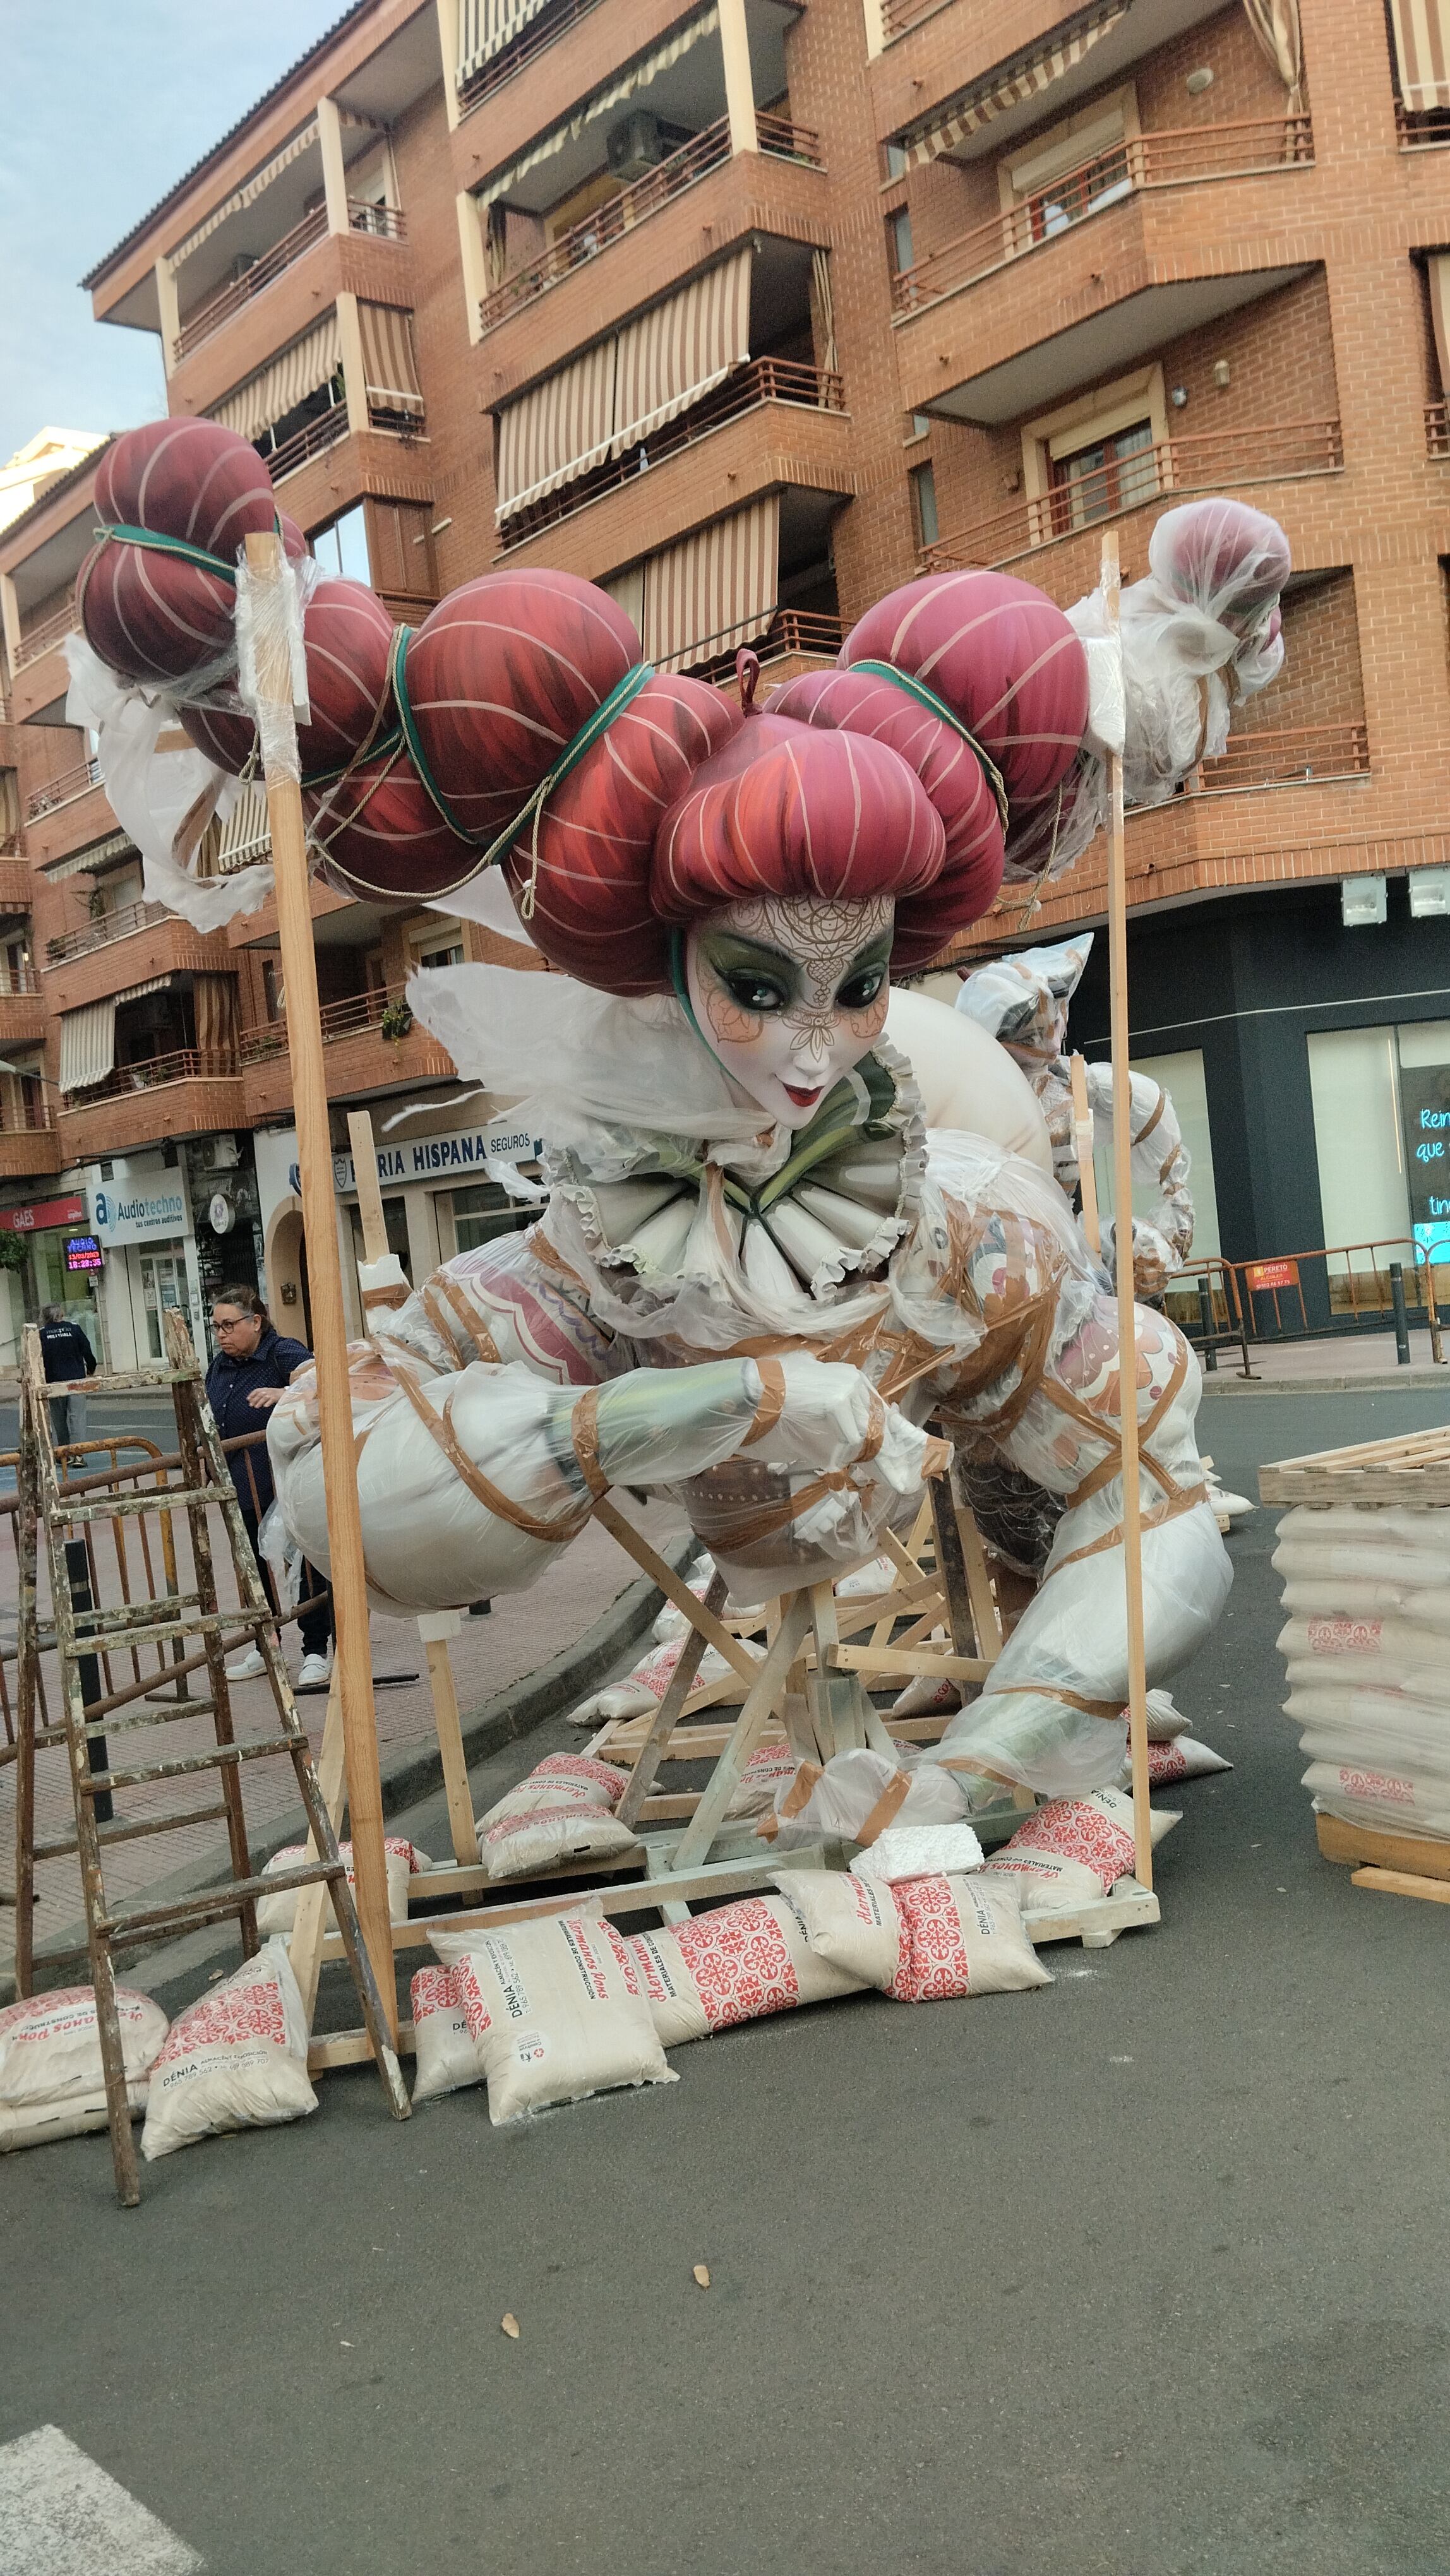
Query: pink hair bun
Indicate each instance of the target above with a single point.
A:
(347, 633)
(1002, 656)
(151, 613)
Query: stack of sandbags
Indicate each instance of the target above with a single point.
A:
(52, 2084)
(1367, 1590)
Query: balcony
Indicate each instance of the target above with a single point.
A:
(189, 1092)
(17, 887)
(66, 788)
(762, 380)
(384, 223)
(1172, 469)
(1421, 129)
(634, 205)
(798, 637)
(22, 1011)
(360, 1055)
(1172, 157)
(37, 641)
(27, 1146)
(1293, 756)
(99, 933)
(526, 48)
(1437, 429)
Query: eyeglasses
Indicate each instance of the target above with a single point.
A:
(233, 1324)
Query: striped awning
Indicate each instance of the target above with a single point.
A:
(248, 192)
(135, 992)
(485, 27)
(1025, 77)
(300, 371)
(1437, 271)
(678, 352)
(390, 369)
(1422, 52)
(560, 430)
(713, 591)
(101, 854)
(635, 77)
(245, 835)
(87, 1044)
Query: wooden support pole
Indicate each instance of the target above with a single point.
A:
(329, 1332)
(1123, 1247)
(1082, 1129)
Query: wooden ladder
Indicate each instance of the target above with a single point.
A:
(191, 1625)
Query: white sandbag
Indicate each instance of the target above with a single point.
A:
(1388, 1802)
(610, 1706)
(737, 1963)
(1046, 1882)
(671, 1622)
(50, 2047)
(554, 2010)
(867, 1580)
(1182, 1759)
(1379, 1728)
(962, 1936)
(918, 1851)
(849, 1922)
(926, 1697)
(1366, 1597)
(279, 1913)
(236, 2059)
(857, 1795)
(39, 2124)
(770, 1769)
(559, 1817)
(1164, 1720)
(444, 2056)
(1097, 1830)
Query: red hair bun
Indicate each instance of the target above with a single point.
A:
(151, 614)
(1003, 657)
(348, 634)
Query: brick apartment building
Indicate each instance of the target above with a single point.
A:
(749, 311)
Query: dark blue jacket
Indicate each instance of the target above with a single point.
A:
(65, 1352)
(229, 1382)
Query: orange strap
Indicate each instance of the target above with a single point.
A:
(439, 1427)
(584, 1434)
(772, 1402)
(890, 1802)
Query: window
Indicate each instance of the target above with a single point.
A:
(923, 505)
(342, 549)
(895, 160)
(439, 944)
(273, 995)
(1074, 170)
(451, 956)
(1111, 474)
(480, 1214)
(898, 241)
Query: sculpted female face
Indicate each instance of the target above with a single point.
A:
(790, 994)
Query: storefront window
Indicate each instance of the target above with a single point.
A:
(482, 1213)
(1382, 1132)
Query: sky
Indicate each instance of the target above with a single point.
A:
(107, 104)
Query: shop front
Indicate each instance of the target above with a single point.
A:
(48, 1257)
(140, 1215)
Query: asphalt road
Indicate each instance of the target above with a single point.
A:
(1142, 2275)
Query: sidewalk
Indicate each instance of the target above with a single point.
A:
(1338, 1363)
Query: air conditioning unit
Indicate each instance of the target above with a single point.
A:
(637, 144)
(244, 260)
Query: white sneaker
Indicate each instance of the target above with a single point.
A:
(316, 1673)
(248, 1667)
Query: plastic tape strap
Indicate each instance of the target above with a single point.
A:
(157, 544)
(569, 758)
(928, 698)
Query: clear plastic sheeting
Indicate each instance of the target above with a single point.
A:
(269, 647)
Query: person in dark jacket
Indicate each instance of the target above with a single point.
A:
(66, 1356)
(253, 1368)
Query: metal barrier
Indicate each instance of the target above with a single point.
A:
(1204, 1301)
(1351, 1288)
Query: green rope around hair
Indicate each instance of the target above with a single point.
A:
(159, 545)
(926, 697)
(532, 810)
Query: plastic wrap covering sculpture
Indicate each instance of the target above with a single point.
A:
(796, 1236)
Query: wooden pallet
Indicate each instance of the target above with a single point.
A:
(1411, 1468)
(1387, 1864)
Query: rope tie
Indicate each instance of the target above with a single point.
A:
(155, 543)
(928, 698)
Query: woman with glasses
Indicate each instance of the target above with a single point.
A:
(254, 1365)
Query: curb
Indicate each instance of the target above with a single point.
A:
(411, 1772)
(1362, 1382)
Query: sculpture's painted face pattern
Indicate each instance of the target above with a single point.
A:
(790, 994)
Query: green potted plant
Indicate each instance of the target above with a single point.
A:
(396, 1022)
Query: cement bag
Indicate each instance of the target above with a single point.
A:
(279, 1913)
(237, 2059)
(560, 1815)
(1184, 1759)
(962, 1936)
(924, 1697)
(769, 1771)
(1046, 1882)
(1380, 1727)
(850, 1923)
(1096, 1830)
(856, 1796)
(918, 1851)
(39, 2124)
(444, 2056)
(737, 1963)
(555, 2012)
(50, 2048)
(1365, 1597)
(1381, 1654)
(1388, 1802)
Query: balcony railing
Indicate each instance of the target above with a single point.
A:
(791, 630)
(18, 983)
(1421, 129)
(898, 15)
(586, 239)
(525, 49)
(1286, 757)
(316, 436)
(1437, 429)
(24, 1118)
(1202, 463)
(1171, 157)
(354, 1016)
(763, 380)
(63, 789)
(385, 222)
(100, 932)
(154, 1072)
(37, 641)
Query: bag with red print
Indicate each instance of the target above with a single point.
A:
(278, 1913)
(445, 2058)
(563, 1813)
(1097, 1830)
(962, 1936)
(236, 2059)
(51, 2080)
(739, 1963)
(852, 1923)
(555, 2011)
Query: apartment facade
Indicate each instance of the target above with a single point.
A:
(750, 311)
